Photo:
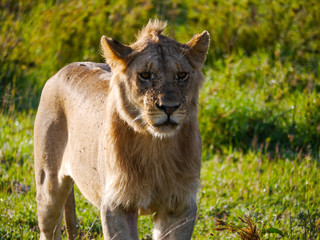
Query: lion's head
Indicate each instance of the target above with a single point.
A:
(156, 79)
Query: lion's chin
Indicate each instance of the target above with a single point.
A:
(164, 130)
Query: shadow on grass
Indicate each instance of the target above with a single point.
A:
(264, 131)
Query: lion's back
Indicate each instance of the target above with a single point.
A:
(85, 77)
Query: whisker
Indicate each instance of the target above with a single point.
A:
(138, 118)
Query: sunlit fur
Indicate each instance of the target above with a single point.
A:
(164, 58)
(104, 130)
(135, 100)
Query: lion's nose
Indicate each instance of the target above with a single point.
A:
(168, 109)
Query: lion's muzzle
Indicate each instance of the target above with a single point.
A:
(168, 109)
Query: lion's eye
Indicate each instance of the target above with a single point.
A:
(145, 75)
(182, 76)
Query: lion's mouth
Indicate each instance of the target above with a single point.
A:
(164, 125)
(166, 128)
(168, 123)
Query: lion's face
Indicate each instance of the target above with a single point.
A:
(158, 81)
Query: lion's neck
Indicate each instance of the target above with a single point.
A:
(141, 161)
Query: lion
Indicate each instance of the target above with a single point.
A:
(126, 133)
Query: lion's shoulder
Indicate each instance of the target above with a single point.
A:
(85, 76)
(79, 81)
(78, 70)
(92, 66)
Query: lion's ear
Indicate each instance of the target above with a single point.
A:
(115, 52)
(198, 48)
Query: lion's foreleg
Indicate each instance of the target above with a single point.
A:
(119, 224)
(51, 197)
(177, 224)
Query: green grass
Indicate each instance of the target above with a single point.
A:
(259, 103)
(17, 186)
(284, 191)
(278, 189)
(258, 111)
(38, 37)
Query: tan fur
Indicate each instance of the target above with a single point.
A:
(132, 145)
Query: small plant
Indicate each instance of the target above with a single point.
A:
(248, 230)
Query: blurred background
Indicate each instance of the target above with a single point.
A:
(262, 67)
(259, 108)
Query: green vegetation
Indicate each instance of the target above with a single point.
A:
(259, 108)
(256, 103)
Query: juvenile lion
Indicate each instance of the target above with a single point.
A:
(127, 136)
